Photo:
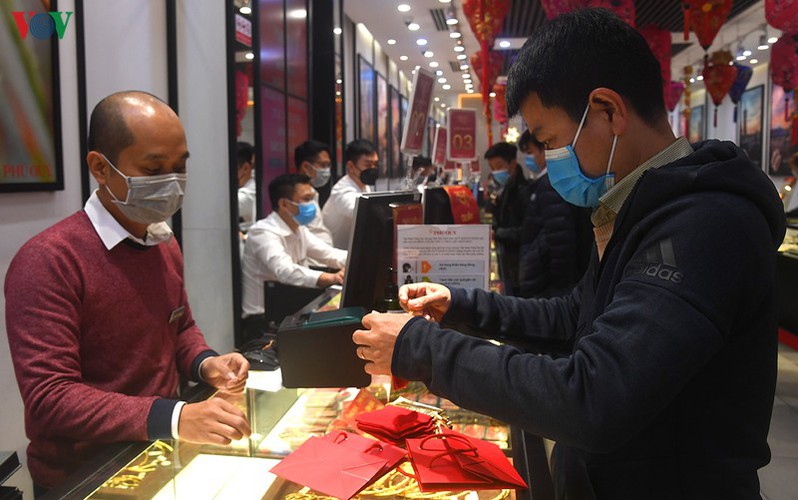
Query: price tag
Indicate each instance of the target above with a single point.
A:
(439, 149)
(417, 112)
(461, 143)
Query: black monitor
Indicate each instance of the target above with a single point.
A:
(437, 207)
(371, 248)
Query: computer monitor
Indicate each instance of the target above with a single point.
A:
(437, 207)
(371, 248)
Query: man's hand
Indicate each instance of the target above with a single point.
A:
(227, 373)
(430, 300)
(376, 342)
(327, 279)
(214, 421)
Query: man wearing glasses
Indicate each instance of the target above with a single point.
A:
(361, 166)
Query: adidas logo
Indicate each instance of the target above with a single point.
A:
(660, 262)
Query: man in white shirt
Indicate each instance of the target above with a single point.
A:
(339, 212)
(278, 248)
(312, 159)
(247, 193)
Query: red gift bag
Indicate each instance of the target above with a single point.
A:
(390, 453)
(394, 423)
(454, 461)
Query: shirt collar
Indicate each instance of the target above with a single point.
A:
(611, 202)
(111, 231)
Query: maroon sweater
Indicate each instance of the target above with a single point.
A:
(95, 353)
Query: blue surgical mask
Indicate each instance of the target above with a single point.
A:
(567, 178)
(531, 164)
(307, 212)
(501, 176)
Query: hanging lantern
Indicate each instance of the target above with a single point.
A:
(673, 92)
(491, 72)
(688, 73)
(744, 74)
(705, 17)
(782, 14)
(784, 71)
(485, 18)
(625, 9)
(500, 103)
(719, 76)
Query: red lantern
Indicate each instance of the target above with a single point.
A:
(706, 17)
(500, 103)
(485, 18)
(659, 40)
(625, 9)
(782, 14)
(719, 77)
(673, 92)
(495, 66)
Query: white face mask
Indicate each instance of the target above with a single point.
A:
(150, 198)
(322, 177)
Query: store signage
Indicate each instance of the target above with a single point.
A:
(243, 30)
(41, 24)
(462, 145)
(439, 149)
(417, 112)
(449, 254)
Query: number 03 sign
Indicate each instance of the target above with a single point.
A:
(461, 143)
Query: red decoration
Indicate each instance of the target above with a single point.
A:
(491, 72)
(784, 71)
(659, 40)
(782, 14)
(242, 96)
(673, 92)
(625, 9)
(719, 77)
(500, 104)
(554, 8)
(705, 17)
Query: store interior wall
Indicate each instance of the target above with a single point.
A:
(137, 61)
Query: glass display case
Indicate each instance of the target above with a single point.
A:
(281, 419)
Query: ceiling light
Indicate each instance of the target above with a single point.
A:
(492, 94)
(339, 81)
(446, 87)
(461, 56)
(433, 64)
(421, 42)
(470, 91)
(504, 44)
(452, 21)
(466, 75)
(337, 31)
(444, 1)
(754, 61)
(403, 58)
(459, 48)
(246, 10)
(463, 66)
(763, 43)
(403, 7)
(468, 80)
(773, 40)
(250, 56)
(455, 34)
(391, 41)
(298, 14)
(443, 105)
(413, 27)
(428, 53)
(438, 73)
(692, 80)
(437, 99)
(699, 78)
(441, 80)
(746, 53)
(413, 72)
(740, 57)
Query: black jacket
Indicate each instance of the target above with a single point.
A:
(556, 242)
(508, 218)
(668, 384)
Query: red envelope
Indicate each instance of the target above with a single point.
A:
(454, 461)
(331, 469)
(394, 423)
(390, 453)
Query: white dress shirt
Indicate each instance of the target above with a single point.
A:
(247, 196)
(339, 211)
(274, 252)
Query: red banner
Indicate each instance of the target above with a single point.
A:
(461, 144)
(417, 112)
(243, 30)
(439, 149)
(464, 206)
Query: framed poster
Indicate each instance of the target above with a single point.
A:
(382, 125)
(782, 105)
(396, 131)
(30, 110)
(365, 90)
(696, 132)
(749, 119)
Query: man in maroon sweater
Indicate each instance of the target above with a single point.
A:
(96, 311)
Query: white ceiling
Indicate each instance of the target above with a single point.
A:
(385, 21)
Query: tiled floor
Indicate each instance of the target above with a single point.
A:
(778, 478)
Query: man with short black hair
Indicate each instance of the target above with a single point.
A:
(312, 159)
(247, 191)
(361, 175)
(662, 371)
(278, 248)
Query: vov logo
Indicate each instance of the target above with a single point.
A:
(41, 24)
(659, 262)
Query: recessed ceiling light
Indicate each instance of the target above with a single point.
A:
(391, 41)
(470, 91)
(492, 94)
(747, 53)
(298, 14)
(773, 39)
(461, 56)
(413, 27)
(433, 64)
(403, 7)
(249, 55)
(413, 72)
(452, 21)
(437, 99)
(459, 48)
(445, 1)
(463, 66)
(428, 53)
(337, 31)
(446, 87)
(692, 80)
(754, 61)
(246, 10)
(339, 81)
(403, 58)
(466, 75)
(455, 34)
(504, 44)
(741, 58)
(441, 80)
(700, 77)
(443, 105)
(468, 81)
(421, 41)
(438, 72)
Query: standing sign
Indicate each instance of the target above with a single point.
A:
(461, 146)
(243, 30)
(450, 254)
(417, 112)
(439, 149)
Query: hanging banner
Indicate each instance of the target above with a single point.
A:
(450, 254)
(461, 145)
(439, 149)
(243, 30)
(417, 112)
